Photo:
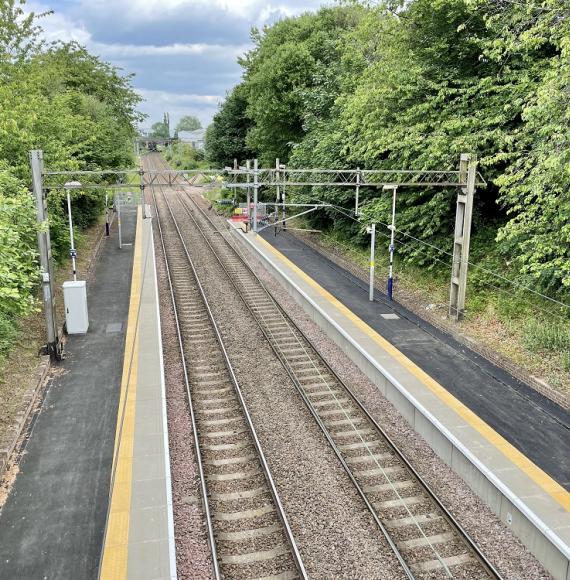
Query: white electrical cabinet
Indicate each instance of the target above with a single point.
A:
(75, 299)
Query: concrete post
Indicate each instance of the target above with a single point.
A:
(462, 236)
(53, 346)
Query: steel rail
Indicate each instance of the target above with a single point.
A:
(265, 468)
(470, 544)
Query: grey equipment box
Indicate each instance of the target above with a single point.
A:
(75, 299)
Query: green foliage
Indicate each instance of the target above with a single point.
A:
(225, 136)
(82, 113)
(413, 85)
(188, 123)
(539, 335)
(184, 156)
(159, 130)
(292, 78)
(8, 333)
(18, 267)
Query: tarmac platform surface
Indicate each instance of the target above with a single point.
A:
(535, 425)
(53, 522)
(93, 496)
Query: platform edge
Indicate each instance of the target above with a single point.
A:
(539, 538)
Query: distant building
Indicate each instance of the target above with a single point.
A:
(194, 138)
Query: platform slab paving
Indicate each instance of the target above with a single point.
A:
(139, 538)
(522, 495)
(53, 521)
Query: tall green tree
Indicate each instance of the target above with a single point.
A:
(159, 130)
(226, 135)
(81, 112)
(188, 123)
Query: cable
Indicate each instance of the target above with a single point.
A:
(478, 267)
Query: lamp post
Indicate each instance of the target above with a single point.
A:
(72, 251)
(372, 231)
(392, 228)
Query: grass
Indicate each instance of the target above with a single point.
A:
(547, 335)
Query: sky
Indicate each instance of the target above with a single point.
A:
(183, 52)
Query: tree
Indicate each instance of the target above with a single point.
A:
(188, 123)
(159, 130)
(226, 135)
(82, 113)
(291, 78)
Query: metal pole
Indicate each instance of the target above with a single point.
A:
(248, 167)
(278, 193)
(53, 346)
(119, 221)
(72, 251)
(283, 200)
(141, 173)
(278, 188)
(255, 194)
(235, 169)
(392, 229)
(107, 226)
(372, 252)
(357, 195)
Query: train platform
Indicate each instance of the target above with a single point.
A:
(139, 534)
(52, 523)
(94, 484)
(509, 443)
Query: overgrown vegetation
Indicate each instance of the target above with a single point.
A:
(413, 85)
(184, 156)
(81, 112)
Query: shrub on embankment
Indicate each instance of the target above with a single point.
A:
(81, 112)
(413, 85)
(184, 156)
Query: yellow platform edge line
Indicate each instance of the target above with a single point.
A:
(542, 479)
(115, 551)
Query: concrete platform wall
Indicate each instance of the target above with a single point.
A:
(533, 532)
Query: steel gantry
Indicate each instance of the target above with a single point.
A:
(466, 179)
(252, 178)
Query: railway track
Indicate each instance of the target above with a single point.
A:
(248, 531)
(423, 535)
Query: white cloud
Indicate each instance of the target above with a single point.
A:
(135, 50)
(247, 9)
(58, 26)
(177, 48)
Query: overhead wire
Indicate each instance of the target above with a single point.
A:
(476, 266)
